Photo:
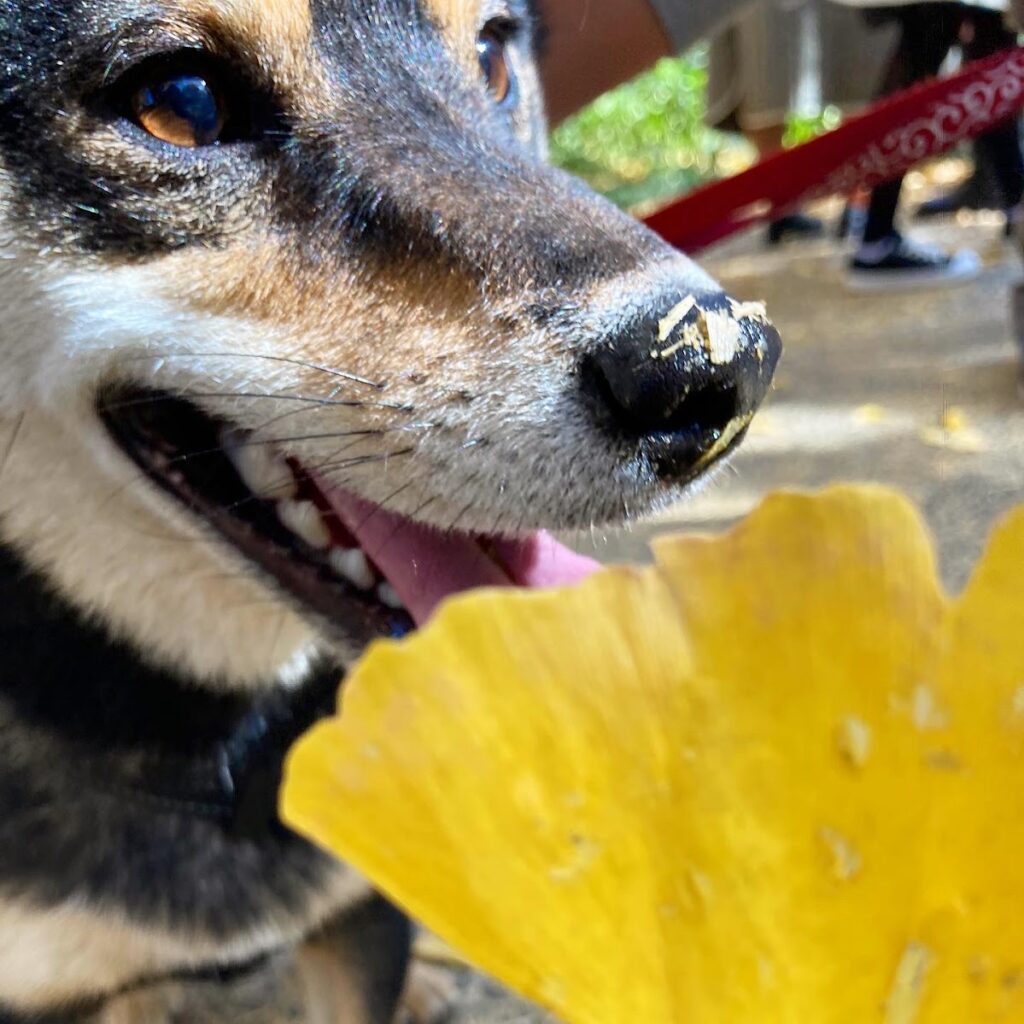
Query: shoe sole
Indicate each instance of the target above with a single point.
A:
(964, 269)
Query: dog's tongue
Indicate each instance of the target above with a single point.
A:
(426, 566)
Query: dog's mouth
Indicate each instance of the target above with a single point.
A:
(364, 571)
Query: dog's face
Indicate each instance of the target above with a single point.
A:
(285, 282)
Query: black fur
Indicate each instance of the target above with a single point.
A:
(84, 711)
(440, 183)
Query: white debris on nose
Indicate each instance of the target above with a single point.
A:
(718, 333)
(675, 317)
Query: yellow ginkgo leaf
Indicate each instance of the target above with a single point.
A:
(776, 779)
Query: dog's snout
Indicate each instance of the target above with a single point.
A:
(684, 381)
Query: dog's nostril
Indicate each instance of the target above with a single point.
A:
(642, 403)
(709, 410)
(684, 391)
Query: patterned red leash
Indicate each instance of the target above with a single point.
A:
(876, 146)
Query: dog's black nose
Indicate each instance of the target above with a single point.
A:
(684, 381)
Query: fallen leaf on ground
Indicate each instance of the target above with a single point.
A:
(871, 415)
(955, 433)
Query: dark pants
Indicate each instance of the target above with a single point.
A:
(928, 32)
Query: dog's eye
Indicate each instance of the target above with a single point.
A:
(182, 109)
(492, 49)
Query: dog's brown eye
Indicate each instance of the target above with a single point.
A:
(492, 50)
(184, 110)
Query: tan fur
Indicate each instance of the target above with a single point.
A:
(258, 279)
(440, 395)
(272, 25)
(461, 18)
(332, 995)
(451, 374)
(157, 1006)
(430, 993)
(69, 953)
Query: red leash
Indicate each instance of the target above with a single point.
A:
(876, 146)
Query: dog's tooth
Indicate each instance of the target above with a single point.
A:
(353, 566)
(262, 468)
(304, 520)
(388, 596)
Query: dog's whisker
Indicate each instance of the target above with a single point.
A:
(281, 417)
(188, 457)
(156, 399)
(358, 461)
(167, 538)
(350, 378)
(138, 477)
(284, 487)
(281, 620)
(287, 483)
(404, 522)
(382, 506)
(454, 524)
(521, 525)
(282, 442)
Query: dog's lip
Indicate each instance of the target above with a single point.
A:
(427, 566)
(193, 456)
(180, 448)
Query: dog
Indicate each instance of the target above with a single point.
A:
(300, 334)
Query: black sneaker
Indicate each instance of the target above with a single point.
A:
(897, 263)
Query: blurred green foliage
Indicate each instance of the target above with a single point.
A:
(800, 129)
(646, 141)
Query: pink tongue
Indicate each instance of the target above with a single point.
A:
(426, 566)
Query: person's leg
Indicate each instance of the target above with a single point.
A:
(999, 150)
(927, 32)
(885, 258)
(998, 179)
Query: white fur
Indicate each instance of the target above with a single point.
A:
(81, 511)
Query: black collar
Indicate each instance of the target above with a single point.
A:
(237, 779)
(143, 733)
